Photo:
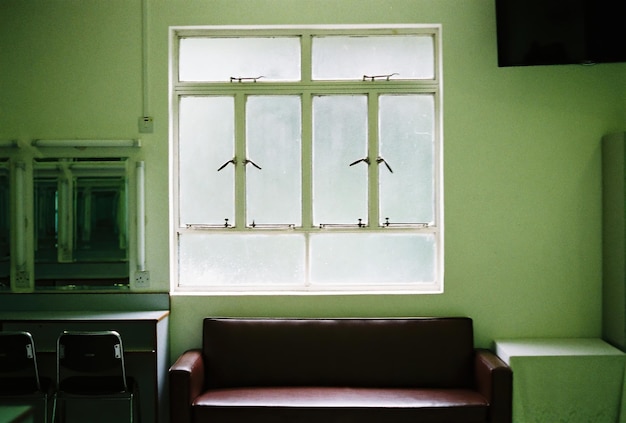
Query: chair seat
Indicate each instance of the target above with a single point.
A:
(92, 385)
(310, 397)
(332, 404)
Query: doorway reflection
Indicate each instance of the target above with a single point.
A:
(81, 223)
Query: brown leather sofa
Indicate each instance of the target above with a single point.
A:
(339, 371)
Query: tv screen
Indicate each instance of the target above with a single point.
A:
(558, 32)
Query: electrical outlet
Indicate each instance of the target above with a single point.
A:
(142, 279)
(146, 124)
(22, 280)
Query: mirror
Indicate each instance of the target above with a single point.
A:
(81, 223)
(5, 225)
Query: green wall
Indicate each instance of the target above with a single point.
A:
(521, 151)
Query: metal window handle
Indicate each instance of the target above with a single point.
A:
(380, 160)
(365, 159)
(233, 161)
(245, 162)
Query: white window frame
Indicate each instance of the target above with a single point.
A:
(433, 86)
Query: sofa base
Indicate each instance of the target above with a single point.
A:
(336, 404)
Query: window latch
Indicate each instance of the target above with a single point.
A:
(245, 162)
(245, 79)
(365, 159)
(380, 160)
(233, 161)
(373, 78)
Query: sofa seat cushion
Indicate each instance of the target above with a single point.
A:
(345, 405)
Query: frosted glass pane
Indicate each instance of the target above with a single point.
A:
(206, 142)
(273, 137)
(372, 258)
(345, 57)
(407, 144)
(241, 259)
(339, 139)
(219, 59)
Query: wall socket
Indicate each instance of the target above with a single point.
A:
(146, 124)
(142, 279)
(22, 280)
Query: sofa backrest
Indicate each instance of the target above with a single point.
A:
(413, 352)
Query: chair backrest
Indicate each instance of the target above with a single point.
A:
(18, 364)
(91, 362)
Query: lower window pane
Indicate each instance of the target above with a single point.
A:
(374, 258)
(240, 259)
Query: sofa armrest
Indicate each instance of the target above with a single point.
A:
(494, 380)
(186, 378)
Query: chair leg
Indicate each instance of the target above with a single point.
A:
(136, 404)
(58, 410)
(45, 409)
(54, 409)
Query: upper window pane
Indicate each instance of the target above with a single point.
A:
(273, 171)
(206, 144)
(211, 59)
(407, 144)
(339, 140)
(357, 57)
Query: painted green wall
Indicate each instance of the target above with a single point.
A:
(521, 154)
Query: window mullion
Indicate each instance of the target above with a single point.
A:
(306, 58)
(306, 61)
(373, 174)
(307, 160)
(307, 179)
(240, 155)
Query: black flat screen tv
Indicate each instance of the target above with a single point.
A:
(559, 32)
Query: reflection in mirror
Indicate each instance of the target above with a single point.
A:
(5, 225)
(81, 223)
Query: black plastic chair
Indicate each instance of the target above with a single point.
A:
(90, 368)
(20, 383)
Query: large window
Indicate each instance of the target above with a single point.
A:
(307, 159)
